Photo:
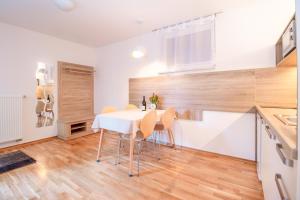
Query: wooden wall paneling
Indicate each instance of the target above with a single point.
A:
(192, 93)
(232, 91)
(289, 61)
(276, 87)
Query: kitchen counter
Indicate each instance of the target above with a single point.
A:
(287, 135)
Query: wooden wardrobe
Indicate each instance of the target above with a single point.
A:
(75, 100)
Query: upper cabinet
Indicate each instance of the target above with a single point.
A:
(286, 46)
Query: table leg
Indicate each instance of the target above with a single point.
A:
(100, 145)
(132, 138)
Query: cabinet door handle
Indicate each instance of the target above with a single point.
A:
(285, 161)
(280, 186)
(271, 136)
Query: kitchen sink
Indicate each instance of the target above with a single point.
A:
(289, 120)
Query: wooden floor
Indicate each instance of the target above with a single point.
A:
(69, 171)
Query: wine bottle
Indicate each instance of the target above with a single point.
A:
(144, 106)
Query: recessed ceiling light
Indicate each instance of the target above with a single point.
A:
(138, 53)
(65, 5)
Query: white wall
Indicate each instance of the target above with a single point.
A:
(245, 38)
(221, 132)
(20, 50)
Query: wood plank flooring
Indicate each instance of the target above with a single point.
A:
(68, 170)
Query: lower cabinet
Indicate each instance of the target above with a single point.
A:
(278, 174)
(74, 129)
(268, 165)
(285, 174)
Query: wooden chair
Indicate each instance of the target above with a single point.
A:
(131, 107)
(108, 109)
(146, 129)
(165, 124)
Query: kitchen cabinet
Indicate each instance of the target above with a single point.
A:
(285, 174)
(286, 54)
(278, 174)
(268, 164)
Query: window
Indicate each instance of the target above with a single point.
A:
(189, 46)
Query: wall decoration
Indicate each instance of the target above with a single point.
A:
(44, 95)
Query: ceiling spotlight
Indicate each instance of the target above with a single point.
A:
(138, 52)
(65, 5)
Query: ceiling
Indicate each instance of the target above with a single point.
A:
(100, 22)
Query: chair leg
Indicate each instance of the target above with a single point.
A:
(158, 152)
(118, 153)
(154, 142)
(139, 145)
(153, 137)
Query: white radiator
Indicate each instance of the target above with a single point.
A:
(10, 118)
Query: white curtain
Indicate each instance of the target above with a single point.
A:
(190, 45)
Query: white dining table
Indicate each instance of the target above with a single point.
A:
(125, 122)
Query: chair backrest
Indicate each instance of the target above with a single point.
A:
(131, 107)
(108, 109)
(39, 93)
(148, 123)
(168, 117)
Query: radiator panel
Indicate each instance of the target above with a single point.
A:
(10, 118)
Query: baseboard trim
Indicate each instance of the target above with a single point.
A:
(190, 149)
(18, 146)
(213, 153)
